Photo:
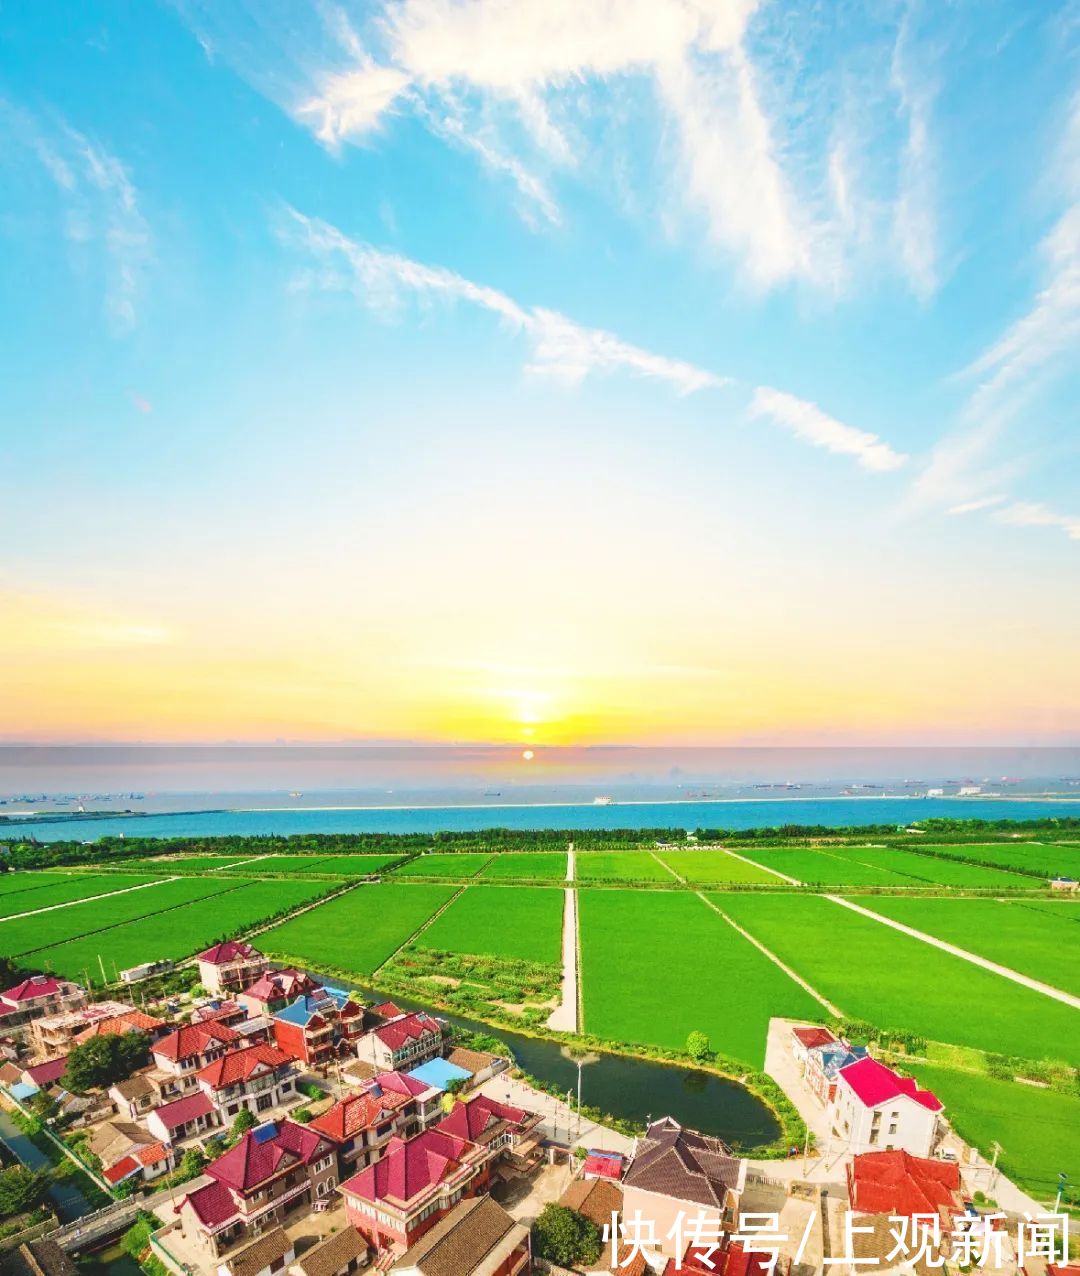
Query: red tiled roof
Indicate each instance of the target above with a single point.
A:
(152, 1154)
(901, 1184)
(194, 1038)
(272, 984)
(402, 1083)
(213, 1204)
(239, 1065)
(125, 1166)
(129, 1021)
(470, 1119)
(729, 1260)
(407, 1169)
(48, 1072)
(387, 1010)
(357, 1112)
(206, 1014)
(180, 1111)
(875, 1084)
(607, 1165)
(230, 950)
(811, 1038)
(35, 986)
(260, 1154)
(399, 1032)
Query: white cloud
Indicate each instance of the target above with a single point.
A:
(808, 422)
(915, 222)
(1035, 514)
(981, 503)
(561, 348)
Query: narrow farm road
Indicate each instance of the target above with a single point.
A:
(1005, 972)
(88, 899)
(420, 929)
(791, 974)
(775, 871)
(664, 864)
(564, 1018)
(571, 864)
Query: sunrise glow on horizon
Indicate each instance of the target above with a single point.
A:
(472, 372)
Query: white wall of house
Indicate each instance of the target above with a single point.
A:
(898, 1123)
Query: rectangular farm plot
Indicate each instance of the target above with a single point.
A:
(620, 866)
(68, 890)
(706, 867)
(358, 931)
(930, 870)
(1044, 861)
(448, 865)
(180, 931)
(523, 922)
(895, 981)
(657, 965)
(20, 935)
(1034, 942)
(825, 868)
(292, 865)
(548, 866)
(187, 863)
(15, 883)
(353, 865)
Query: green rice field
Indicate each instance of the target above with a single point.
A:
(1049, 860)
(353, 865)
(549, 866)
(20, 935)
(825, 868)
(467, 864)
(359, 930)
(502, 921)
(14, 883)
(186, 863)
(68, 889)
(1035, 942)
(620, 866)
(179, 932)
(707, 867)
(875, 973)
(928, 869)
(656, 965)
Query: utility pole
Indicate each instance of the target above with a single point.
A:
(104, 976)
(998, 1149)
(1063, 1178)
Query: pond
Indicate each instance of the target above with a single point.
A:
(633, 1089)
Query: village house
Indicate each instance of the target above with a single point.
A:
(134, 1096)
(183, 1118)
(402, 1042)
(126, 1021)
(823, 1064)
(270, 1252)
(230, 966)
(599, 1200)
(275, 989)
(35, 997)
(127, 1151)
(676, 1170)
(230, 1013)
(804, 1039)
(55, 1033)
(315, 1027)
(40, 1076)
(341, 1253)
(192, 1047)
(394, 1201)
(426, 1098)
(256, 1077)
(361, 1125)
(876, 1108)
(275, 1168)
(885, 1187)
(477, 1238)
(503, 1131)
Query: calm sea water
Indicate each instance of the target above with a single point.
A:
(833, 812)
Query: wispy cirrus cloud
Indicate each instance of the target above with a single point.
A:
(808, 422)
(1035, 514)
(560, 348)
(100, 203)
(915, 222)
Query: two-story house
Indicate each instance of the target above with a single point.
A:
(318, 1025)
(183, 1053)
(477, 1238)
(274, 1169)
(499, 1128)
(56, 1032)
(875, 1108)
(415, 1183)
(256, 1077)
(822, 1066)
(426, 1099)
(403, 1042)
(275, 989)
(35, 997)
(361, 1125)
(230, 966)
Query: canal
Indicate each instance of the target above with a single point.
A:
(66, 1196)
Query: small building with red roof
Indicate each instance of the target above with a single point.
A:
(255, 1077)
(128, 1021)
(361, 1125)
(183, 1118)
(394, 1201)
(402, 1042)
(599, 1164)
(427, 1098)
(806, 1038)
(875, 1108)
(230, 966)
(274, 1169)
(46, 1073)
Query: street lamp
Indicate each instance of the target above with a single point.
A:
(580, 1061)
(1063, 1178)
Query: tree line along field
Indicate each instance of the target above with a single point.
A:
(657, 965)
(67, 890)
(1012, 932)
(360, 930)
(877, 974)
(177, 932)
(501, 921)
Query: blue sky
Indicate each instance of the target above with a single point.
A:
(662, 369)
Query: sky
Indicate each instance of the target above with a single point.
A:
(669, 372)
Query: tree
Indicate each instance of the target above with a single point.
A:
(564, 1236)
(242, 1122)
(192, 1164)
(698, 1047)
(21, 1190)
(104, 1060)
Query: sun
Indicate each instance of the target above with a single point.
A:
(528, 755)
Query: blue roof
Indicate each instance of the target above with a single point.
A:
(439, 1073)
(833, 1058)
(23, 1090)
(301, 1010)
